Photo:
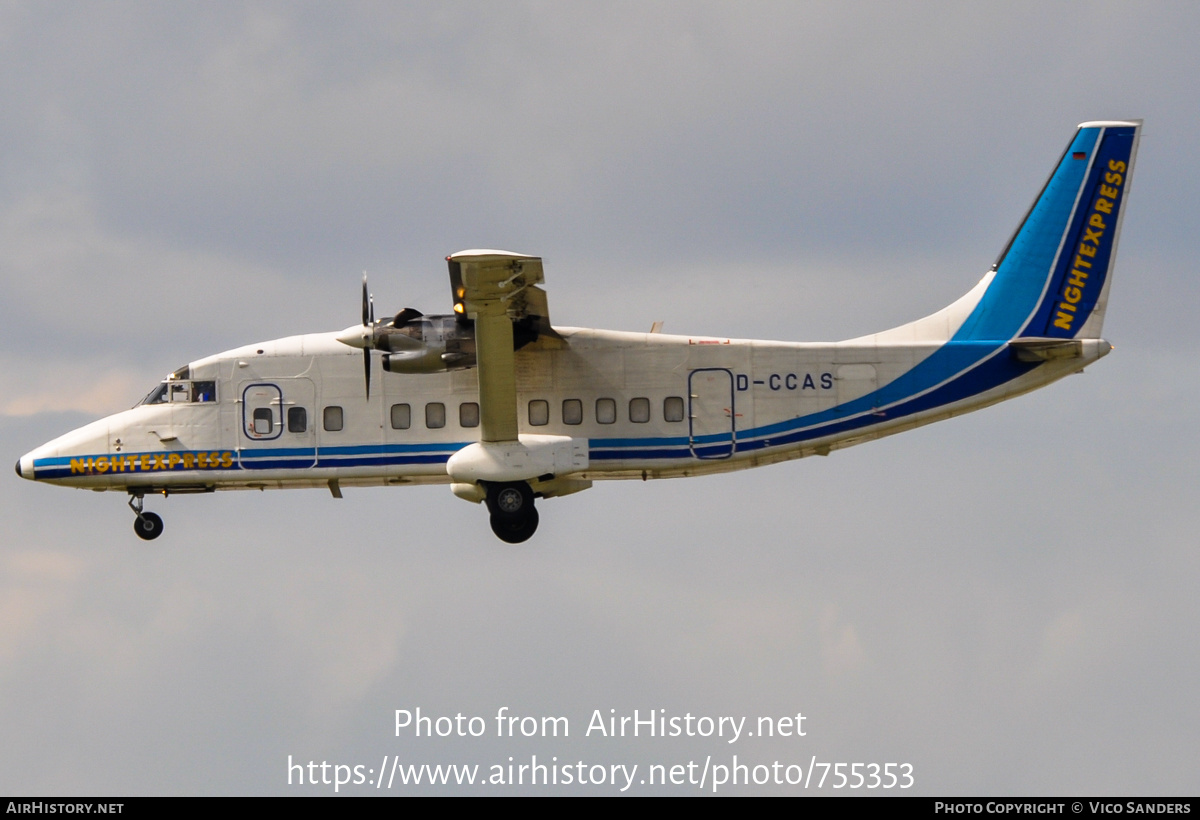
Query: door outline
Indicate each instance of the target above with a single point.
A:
(293, 450)
(712, 432)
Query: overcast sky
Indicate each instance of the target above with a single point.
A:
(1007, 600)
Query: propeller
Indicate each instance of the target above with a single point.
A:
(368, 318)
(363, 335)
(382, 335)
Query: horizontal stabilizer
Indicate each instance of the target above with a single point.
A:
(1034, 349)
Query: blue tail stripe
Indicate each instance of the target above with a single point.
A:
(1083, 265)
(1021, 275)
(1018, 285)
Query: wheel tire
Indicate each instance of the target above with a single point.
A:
(510, 500)
(515, 530)
(148, 526)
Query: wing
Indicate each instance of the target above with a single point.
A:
(498, 289)
(511, 277)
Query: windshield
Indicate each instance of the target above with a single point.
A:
(156, 396)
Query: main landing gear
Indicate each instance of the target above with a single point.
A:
(148, 526)
(514, 518)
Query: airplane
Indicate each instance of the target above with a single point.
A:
(506, 408)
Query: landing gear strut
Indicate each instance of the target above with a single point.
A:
(148, 526)
(514, 518)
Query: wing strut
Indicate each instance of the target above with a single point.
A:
(497, 376)
(497, 288)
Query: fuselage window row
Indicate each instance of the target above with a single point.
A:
(333, 416)
(606, 411)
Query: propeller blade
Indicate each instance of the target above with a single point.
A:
(367, 369)
(405, 316)
(368, 320)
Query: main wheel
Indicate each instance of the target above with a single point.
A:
(514, 530)
(148, 526)
(510, 500)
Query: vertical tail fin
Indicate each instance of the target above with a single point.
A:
(1052, 279)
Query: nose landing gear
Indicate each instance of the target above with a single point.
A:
(148, 526)
(514, 518)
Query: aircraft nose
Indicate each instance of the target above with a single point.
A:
(25, 467)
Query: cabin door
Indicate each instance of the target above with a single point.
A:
(711, 413)
(278, 425)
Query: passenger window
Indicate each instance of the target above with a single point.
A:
(572, 411)
(539, 412)
(401, 417)
(673, 408)
(333, 418)
(606, 411)
(468, 414)
(264, 421)
(639, 410)
(435, 415)
(297, 420)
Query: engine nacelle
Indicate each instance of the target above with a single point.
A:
(425, 344)
(427, 359)
(414, 343)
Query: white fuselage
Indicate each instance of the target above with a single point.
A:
(292, 412)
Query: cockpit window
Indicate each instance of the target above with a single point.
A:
(156, 396)
(182, 392)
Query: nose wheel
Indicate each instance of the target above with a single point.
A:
(147, 525)
(514, 518)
